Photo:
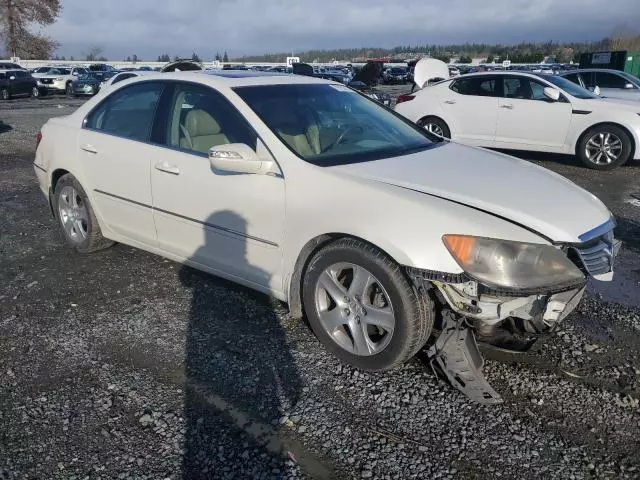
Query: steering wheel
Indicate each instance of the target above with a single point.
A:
(342, 135)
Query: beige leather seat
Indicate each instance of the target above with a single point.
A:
(201, 132)
(297, 130)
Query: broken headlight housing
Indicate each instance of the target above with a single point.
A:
(514, 265)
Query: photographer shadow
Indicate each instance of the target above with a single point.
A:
(240, 376)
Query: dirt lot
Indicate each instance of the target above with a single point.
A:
(125, 365)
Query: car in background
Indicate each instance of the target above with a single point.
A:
(523, 111)
(17, 83)
(302, 189)
(396, 75)
(87, 84)
(10, 66)
(102, 70)
(610, 83)
(59, 79)
(121, 76)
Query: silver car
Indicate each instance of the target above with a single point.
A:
(611, 83)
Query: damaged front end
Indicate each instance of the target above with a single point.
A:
(506, 318)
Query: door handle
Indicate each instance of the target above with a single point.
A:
(89, 148)
(507, 106)
(450, 102)
(165, 167)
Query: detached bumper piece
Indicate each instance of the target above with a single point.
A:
(456, 355)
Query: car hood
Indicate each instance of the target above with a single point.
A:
(519, 191)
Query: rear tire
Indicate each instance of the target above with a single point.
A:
(604, 147)
(376, 327)
(435, 126)
(76, 219)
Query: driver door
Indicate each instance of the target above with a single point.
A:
(527, 118)
(230, 224)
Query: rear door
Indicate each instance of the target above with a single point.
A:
(527, 118)
(471, 106)
(116, 156)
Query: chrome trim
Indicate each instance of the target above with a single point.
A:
(206, 224)
(598, 231)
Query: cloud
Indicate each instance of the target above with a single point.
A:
(149, 28)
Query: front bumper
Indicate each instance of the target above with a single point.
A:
(85, 89)
(52, 87)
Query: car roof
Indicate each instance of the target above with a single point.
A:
(242, 78)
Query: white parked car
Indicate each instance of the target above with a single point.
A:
(306, 190)
(522, 111)
(610, 83)
(59, 79)
(119, 77)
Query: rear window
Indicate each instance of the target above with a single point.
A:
(477, 86)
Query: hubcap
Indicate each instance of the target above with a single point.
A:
(73, 214)
(36, 92)
(354, 309)
(603, 148)
(434, 128)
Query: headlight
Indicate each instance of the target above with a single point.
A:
(503, 263)
(59, 79)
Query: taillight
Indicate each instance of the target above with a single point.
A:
(38, 139)
(405, 98)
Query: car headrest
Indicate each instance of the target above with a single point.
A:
(199, 123)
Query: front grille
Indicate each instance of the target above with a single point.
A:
(47, 81)
(596, 255)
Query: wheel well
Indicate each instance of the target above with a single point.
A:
(55, 176)
(304, 257)
(433, 116)
(608, 124)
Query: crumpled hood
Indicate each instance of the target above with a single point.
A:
(502, 185)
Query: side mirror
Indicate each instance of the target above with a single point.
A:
(628, 86)
(551, 93)
(12, 77)
(238, 158)
(596, 90)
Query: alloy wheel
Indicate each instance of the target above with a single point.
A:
(4, 94)
(73, 214)
(354, 309)
(35, 92)
(603, 148)
(434, 128)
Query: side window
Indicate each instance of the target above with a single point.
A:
(517, 87)
(201, 118)
(573, 77)
(478, 86)
(20, 74)
(129, 112)
(610, 80)
(589, 79)
(537, 91)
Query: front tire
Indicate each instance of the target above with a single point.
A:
(69, 89)
(362, 307)
(76, 219)
(35, 92)
(4, 94)
(604, 147)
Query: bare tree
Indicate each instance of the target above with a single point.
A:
(16, 16)
(625, 37)
(94, 54)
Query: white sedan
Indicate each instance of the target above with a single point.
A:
(306, 190)
(521, 111)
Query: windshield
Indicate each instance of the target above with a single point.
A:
(568, 86)
(332, 124)
(59, 71)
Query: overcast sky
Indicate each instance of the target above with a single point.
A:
(179, 27)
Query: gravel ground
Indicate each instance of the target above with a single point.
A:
(125, 365)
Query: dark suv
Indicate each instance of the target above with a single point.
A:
(15, 83)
